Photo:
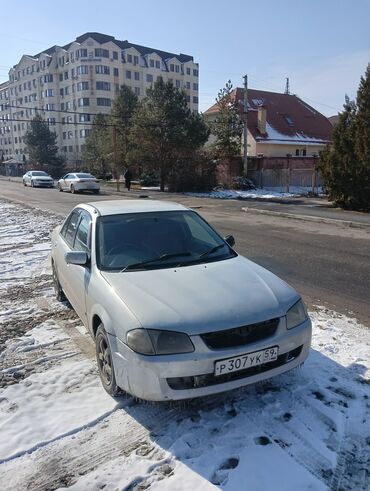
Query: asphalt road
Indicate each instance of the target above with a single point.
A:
(329, 265)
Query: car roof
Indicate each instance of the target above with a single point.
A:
(117, 207)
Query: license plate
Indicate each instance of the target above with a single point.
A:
(248, 360)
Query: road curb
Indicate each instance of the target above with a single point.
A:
(308, 218)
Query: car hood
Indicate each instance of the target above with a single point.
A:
(42, 178)
(203, 297)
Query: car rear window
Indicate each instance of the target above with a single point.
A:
(84, 176)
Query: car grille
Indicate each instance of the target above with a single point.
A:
(240, 336)
(184, 383)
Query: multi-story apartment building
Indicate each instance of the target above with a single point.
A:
(70, 84)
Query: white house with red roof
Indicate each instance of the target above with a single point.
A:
(279, 124)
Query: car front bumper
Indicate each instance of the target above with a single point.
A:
(185, 376)
(44, 184)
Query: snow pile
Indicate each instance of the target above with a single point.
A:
(234, 194)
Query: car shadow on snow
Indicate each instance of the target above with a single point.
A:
(304, 430)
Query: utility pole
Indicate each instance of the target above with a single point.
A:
(245, 157)
(287, 88)
(115, 156)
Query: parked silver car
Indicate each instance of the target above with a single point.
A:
(76, 182)
(37, 178)
(175, 312)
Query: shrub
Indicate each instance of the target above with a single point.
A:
(196, 175)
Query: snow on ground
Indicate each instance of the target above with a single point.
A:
(305, 430)
(264, 193)
(234, 194)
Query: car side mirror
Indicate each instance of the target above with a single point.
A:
(229, 239)
(79, 258)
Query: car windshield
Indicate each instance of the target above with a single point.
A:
(153, 240)
(40, 173)
(81, 175)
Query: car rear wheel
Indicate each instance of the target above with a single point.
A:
(59, 293)
(96, 191)
(105, 362)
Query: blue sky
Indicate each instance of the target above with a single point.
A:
(323, 46)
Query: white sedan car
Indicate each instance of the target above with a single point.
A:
(77, 182)
(174, 311)
(37, 178)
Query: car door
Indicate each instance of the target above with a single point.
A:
(79, 276)
(63, 245)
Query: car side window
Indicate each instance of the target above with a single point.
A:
(71, 228)
(81, 242)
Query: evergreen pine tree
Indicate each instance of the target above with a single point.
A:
(42, 148)
(345, 166)
(228, 126)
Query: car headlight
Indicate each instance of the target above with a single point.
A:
(157, 342)
(296, 315)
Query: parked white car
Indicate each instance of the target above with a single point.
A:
(37, 178)
(77, 182)
(174, 311)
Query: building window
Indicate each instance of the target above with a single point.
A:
(195, 72)
(49, 93)
(102, 69)
(136, 60)
(195, 86)
(128, 73)
(82, 86)
(129, 58)
(172, 67)
(289, 120)
(102, 101)
(84, 133)
(82, 70)
(66, 75)
(48, 78)
(304, 153)
(149, 77)
(115, 72)
(188, 85)
(195, 99)
(297, 152)
(178, 84)
(83, 101)
(157, 64)
(81, 53)
(188, 71)
(101, 53)
(102, 86)
(83, 118)
(177, 68)
(115, 55)
(137, 75)
(137, 90)
(151, 63)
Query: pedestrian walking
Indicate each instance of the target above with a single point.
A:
(128, 176)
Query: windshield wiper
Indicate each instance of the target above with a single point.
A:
(211, 250)
(156, 259)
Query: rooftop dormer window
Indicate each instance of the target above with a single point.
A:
(289, 120)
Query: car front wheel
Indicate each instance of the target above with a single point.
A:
(105, 362)
(32, 184)
(24, 183)
(60, 187)
(73, 189)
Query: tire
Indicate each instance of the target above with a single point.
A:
(59, 188)
(96, 191)
(72, 188)
(24, 183)
(59, 293)
(32, 184)
(105, 362)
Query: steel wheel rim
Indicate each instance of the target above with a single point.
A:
(105, 361)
